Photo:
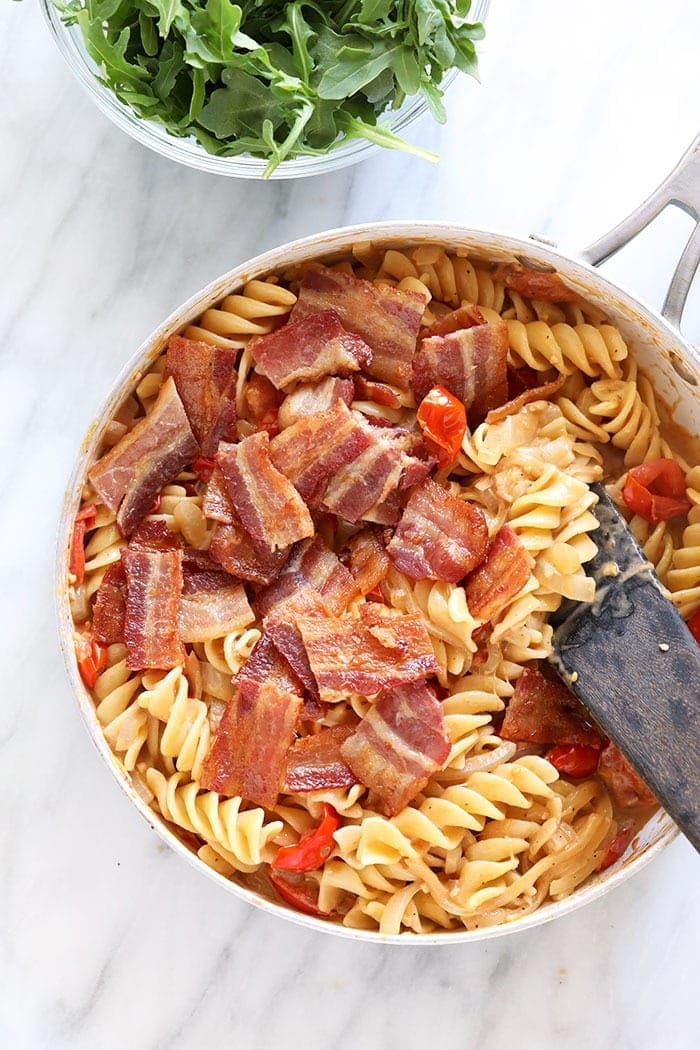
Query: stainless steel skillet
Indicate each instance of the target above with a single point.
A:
(672, 364)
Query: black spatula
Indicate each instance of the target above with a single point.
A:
(632, 661)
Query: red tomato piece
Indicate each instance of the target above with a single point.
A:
(694, 626)
(574, 760)
(84, 520)
(656, 491)
(443, 420)
(203, 467)
(155, 506)
(313, 849)
(297, 895)
(91, 656)
(616, 848)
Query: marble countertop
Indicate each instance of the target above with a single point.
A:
(107, 939)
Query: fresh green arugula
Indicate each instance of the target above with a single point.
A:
(276, 80)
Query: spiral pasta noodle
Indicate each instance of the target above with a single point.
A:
(256, 310)
(683, 576)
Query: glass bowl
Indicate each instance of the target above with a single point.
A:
(187, 151)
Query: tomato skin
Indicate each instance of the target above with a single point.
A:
(443, 420)
(203, 467)
(91, 656)
(656, 491)
(297, 895)
(694, 626)
(574, 760)
(313, 849)
(616, 848)
(84, 520)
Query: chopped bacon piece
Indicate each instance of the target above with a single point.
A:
(154, 584)
(262, 403)
(313, 563)
(212, 610)
(439, 536)
(281, 626)
(398, 745)
(130, 475)
(352, 656)
(314, 763)
(203, 467)
(266, 502)
(533, 284)
(386, 318)
(314, 449)
(456, 321)
(309, 348)
(623, 782)
(216, 504)
(109, 609)
(205, 377)
(154, 536)
(232, 547)
(369, 562)
(500, 577)
(536, 393)
(310, 398)
(380, 393)
(248, 754)
(266, 664)
(470, 363)
(313, 709)
(543, 711)
(287, 584)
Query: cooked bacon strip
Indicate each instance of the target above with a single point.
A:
(386, 318)
(543, 711)
(439, 536)
(398, 745)
(505, 571)
(154, 536)
(470, 363)
(456, 321)
(109, 609)
(536, 393)
(211, 607)
(266, 664)
(533, 284)
(352, 656)
(314, 449)
(232, 548)
(321, 569)
(281, 626)
(130, 475)
(369, 562)
(622, 781)
(154, 584)
(308, 348)
(380, 393)
(205, 377)
(216, 504)
(266, 502)
(310, 398)
(314, 763)
(249, 751)
(357, 490)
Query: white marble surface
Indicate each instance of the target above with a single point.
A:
(106, 938)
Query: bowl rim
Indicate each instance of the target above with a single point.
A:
(188, 152)
(326, 243)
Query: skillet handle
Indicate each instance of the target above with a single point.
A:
(682, 189)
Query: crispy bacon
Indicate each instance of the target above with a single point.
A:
(130, 475)
(470, 363)
(358, 490)
(321, 569)
(248, 755)
(266, 502)
(310, 398)
(439, 536)
(543, 711)
(381, 393)
(386, 318)
(356, 656)
(281, 626)
(154, 536)
(534, 284)
(505, 571)
(233, 548)
(216, 504)
(308, 348)
(154, 585)
(398, 745)
(623, 782)
(314, 763)
(314, 449)
(109, 609)
(266, 664)
(535, 393)
(369, 562)
(456, 321)
(210, 607)
(205, 377)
